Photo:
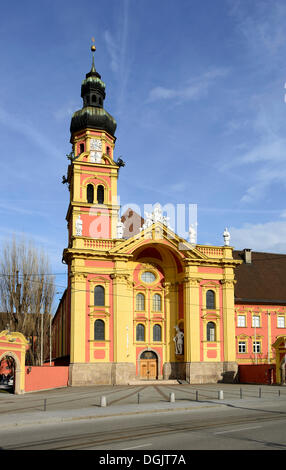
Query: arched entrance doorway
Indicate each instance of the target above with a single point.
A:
(13, 345)
(7, 373)
(148, 365)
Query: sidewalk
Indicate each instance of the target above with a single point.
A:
(84, 403)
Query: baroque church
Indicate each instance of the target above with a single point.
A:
(148, 304)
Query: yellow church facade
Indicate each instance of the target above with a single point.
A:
(149, 307)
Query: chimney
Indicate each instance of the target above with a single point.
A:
(247, 255)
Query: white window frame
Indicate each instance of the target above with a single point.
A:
(241, 321)
(256, 347)
(242, 347)
(255, 321)
(280, 321)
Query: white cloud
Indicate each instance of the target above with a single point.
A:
(194, 89)
(270, 236)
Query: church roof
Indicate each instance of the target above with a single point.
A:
(262, 280)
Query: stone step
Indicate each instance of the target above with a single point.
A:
(153, 382)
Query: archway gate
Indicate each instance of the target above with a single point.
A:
(15, 345)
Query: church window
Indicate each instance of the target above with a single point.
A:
(81, 148)
(99, 328)
(140, 302)
(157, 333)
(157, 303)
(90, 193)
(211, 331)
(210, 300)
(99, 296)
(108, 150)
(100, 194)
(94, 98)
(148, 277)
(140, 332)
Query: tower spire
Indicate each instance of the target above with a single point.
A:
(93, 49)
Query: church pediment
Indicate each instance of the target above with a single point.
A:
(159, 233)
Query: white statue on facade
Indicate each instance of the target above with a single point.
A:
(192, 234)
(78, 226)
(179, 341)
(156, 216)
(226, 236)
(120, 229)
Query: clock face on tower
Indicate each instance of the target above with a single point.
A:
(95, 150)
(95, 144)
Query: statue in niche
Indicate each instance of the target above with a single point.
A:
(78, 226)
(282, 370)
(179, 341)
(226, 236)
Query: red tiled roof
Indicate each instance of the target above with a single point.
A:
(261, 281)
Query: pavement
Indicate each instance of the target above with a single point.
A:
(85, 403)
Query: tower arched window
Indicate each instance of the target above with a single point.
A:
(210, 300)
(81, 148)
(157, 303)
(140, 332)
(211, 336)
(94, 98)
(90, 193)
(140, 302)
(99, 330)
(99, 296)
(157, 333)
(100, 194)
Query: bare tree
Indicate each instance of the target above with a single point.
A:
(26, 294)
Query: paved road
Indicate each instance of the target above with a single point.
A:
(72, 418)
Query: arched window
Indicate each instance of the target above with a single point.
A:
(157, 333)
(157, 303)
(99, 296)
(211, 331)
(94, 98)
(99, 328)
(210, 299)
(90, 193)
(108, 150)
(100, 194)
(140, 302)
(140, 332)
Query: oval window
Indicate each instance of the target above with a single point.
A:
(148, 277)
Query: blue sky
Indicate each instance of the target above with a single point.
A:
(198, 92)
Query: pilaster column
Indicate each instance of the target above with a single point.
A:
(228, 320)
(192, 319)
(78, 317)
(122, 318)
(171, 306)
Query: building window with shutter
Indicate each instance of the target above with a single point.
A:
(210, 300)
(99, 296)
(140, 332)
(99, 333)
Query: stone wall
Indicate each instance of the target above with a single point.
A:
(112, 373)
